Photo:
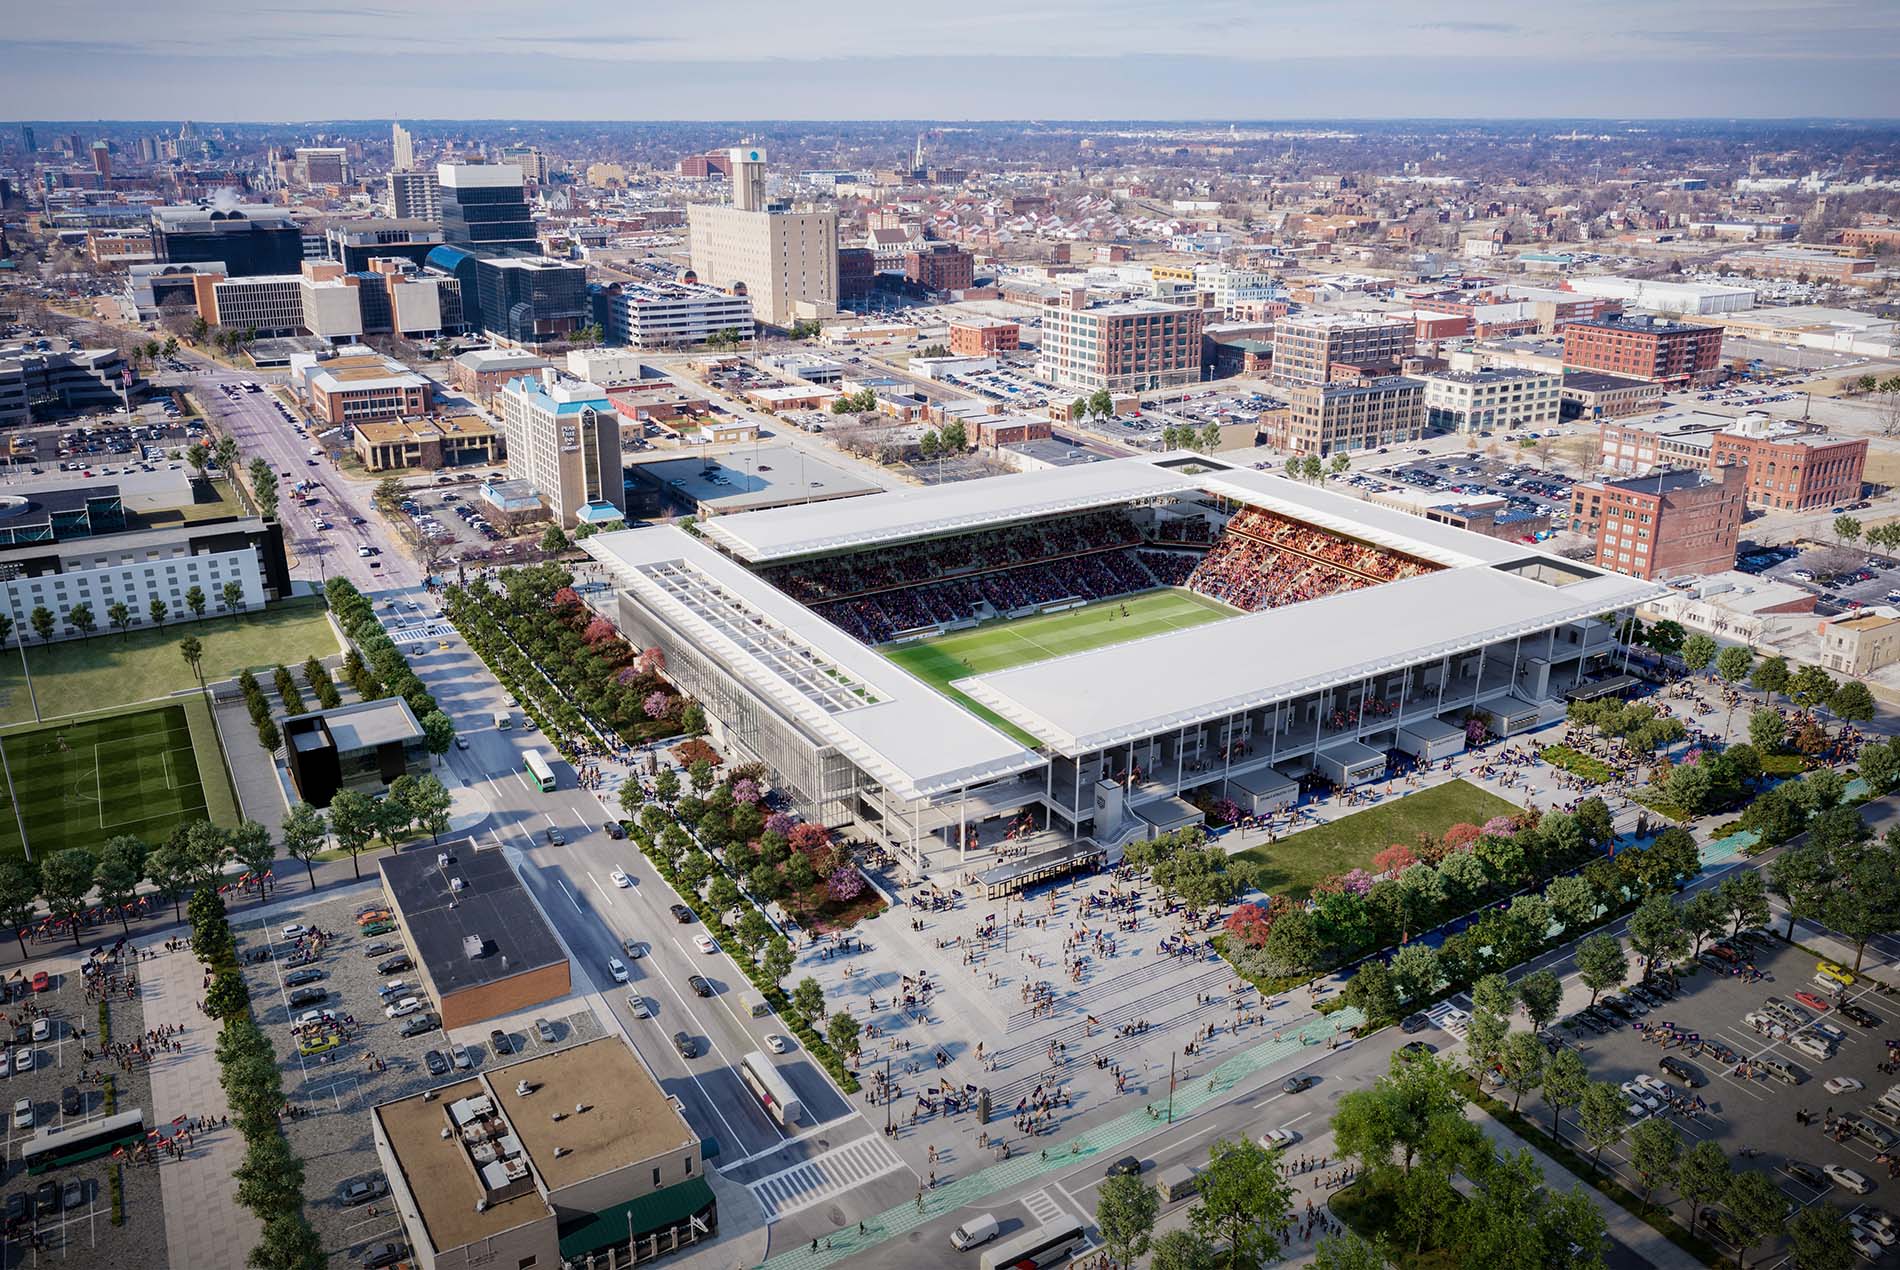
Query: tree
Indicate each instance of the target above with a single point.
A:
(80, 618)
(41, 620)
(1371, 991)
(841, 1032)
(1347, 1252)
(1851, 702)
(195, 601)
(1522, 1060)
(353, 821)
(1125, 1212)
(1767, 731)
(232, 595)
(1542, 994)
(778, 959)
(1565, 1080)
(1810, 687)
(1667, 637)
(1655, 1149)
(1310, 467)
(121, 866)
(1702, 1176)
(227, 997)
(553, 542)
(808, 1000)
(1822, 1238)
(304, 831)
(1602, 964)
(1655, 931)
(1744, 898)
(1573, 902)
(1759, 1210)
(288, 1242)
(1183, 1250)
(1734, 664)
(429, 801)
(1698, 653)
(1771, 676)
(1801, 876)
(251, 843)
(1847, 528)
(120, 615)
(1603, 1113)
(65, 877)
(1242, 1202)
(1865, 901)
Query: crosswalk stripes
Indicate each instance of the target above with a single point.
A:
(1042, 1207)
(820, 1177)
(1449, 1017)
(421, 634)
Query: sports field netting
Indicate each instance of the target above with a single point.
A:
(1004, 643)
(76, 784)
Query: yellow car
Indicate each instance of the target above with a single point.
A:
(1839, 974)
(318, 1044)
(372, 917)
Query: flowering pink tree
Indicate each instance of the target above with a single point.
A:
(1250, 924)
(809, 837)
(566, 600)
(657, 705)
(844, 885)
(781, 823)
(1461, 835)
(745, 790)
(1499, 827)
(652, 661)
(1357, 882)
(1394, 859)
(1475, 732)
(599, 631)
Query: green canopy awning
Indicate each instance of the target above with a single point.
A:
(645, 1215)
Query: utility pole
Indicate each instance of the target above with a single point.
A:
(1170, 1089)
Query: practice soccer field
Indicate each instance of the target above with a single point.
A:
(76, 784)
(1004, 643)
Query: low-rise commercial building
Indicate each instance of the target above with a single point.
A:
(1349, 415)
(363, 746)
(482, 947)
(1798, 472)
(1661, 526)
(1862, 643)
(1635, 447)
(427, 444)
(481, 372)
(1490, 400)
(1134, 346)
(940, 267)
(984, 337)
(1591, 394)
(669, 314)
(608, 367)
(1675, 354)
(1686, 298)
(41, 383)
(359, 386)
(482, 1171)
(1800, 264)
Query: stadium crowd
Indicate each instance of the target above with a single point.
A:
(1264, 561)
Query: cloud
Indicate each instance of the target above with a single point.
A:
(1471, 28)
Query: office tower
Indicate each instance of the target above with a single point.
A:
(102, 159)
(563, 438)
(1306, 348)
(483, 206)
(402, 147)
(416, 195)
(322, 165)
(533, 164)
(247, 240)
(786, 260)
(28, 141)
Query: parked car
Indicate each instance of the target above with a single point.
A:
(420, 1024)
(395, 965)
(308, 996)
(296, 978)
(363, 1190)
(380, 928)
(408, 1005)
(1683, 1072)
(544, 1030)
(437, 1065)
(499, 1040)
(1848, 1179)
(459, 1055)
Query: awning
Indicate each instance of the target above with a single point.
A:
(1597, 689)
(643, 1216)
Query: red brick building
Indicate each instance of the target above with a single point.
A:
(1793, 473)
(702, 166)
(1675, 354)
(1661, 526)
(940, 267)
(984, 337)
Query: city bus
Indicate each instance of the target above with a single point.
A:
(769, 1087)
(57, 1146)
(1043, 1246)
(538, 771)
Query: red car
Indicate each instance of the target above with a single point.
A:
(1811, 1001)
(42, 981)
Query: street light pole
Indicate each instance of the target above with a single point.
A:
(887, 1094)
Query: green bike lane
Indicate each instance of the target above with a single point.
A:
(1190, 1095)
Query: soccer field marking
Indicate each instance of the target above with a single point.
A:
(140, 756)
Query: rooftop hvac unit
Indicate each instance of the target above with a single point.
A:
(442, 859)
(472, 946)
(481, 1205)
(456, 884)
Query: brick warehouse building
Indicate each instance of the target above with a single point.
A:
(1791, 473)
(482, 949)
(984, 337)
(1675, 354)
(1661, 526)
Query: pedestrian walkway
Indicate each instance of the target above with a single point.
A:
(1188, 1097)
(205, 1227)
(1449, 1018)
(1626, 1228)
(821, 1177)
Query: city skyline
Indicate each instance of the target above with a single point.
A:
(1072, 59)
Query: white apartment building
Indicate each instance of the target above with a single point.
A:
(786, 261)
(608, 367)
(132, 569)
(564, 439)
(1492, 400)
(416, 195)
(1230, 285)
(673, 314)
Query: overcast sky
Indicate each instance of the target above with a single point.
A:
(975, 59)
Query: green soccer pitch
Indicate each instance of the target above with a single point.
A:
(1007, 642)
(78, 783)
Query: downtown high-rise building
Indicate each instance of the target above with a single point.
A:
(402, 146)
(485, 207)
(415, 195)
(786, 260)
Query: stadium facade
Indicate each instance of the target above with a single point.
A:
(1359, 633)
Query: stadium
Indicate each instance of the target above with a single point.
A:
(1067, 660)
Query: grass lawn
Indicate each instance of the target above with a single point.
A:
(141, 772)
(77, 676)
(1577, 763)
(1004, 643)
(1372, 1213)
(1294, 865)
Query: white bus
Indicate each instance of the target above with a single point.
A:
(770, 1088)
(1043, 1246)
(538, 770)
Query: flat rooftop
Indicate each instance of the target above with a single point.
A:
(628, 1117)
(440, 1174)
(1597, 381)
(491, 906)
(1670, 481)
(762, 477)
(365, 725)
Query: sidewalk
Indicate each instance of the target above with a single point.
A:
(205, 1227)
(1627, 1229)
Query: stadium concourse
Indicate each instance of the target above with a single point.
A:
(1281, 640)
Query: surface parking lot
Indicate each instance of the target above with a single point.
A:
(1525, 485)
(70, 1208)
(1785, 1125)
(1868, 577)
(372, 1061)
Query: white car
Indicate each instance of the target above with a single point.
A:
(1865, 1225)
(617, 969)
(1641, 1096)
(42, 1029)
(408, 1005)
(621, 879)
(776, 1043)
(638, 1004)
(308, 1017)
(23, 1114)
(1847, 1179)
(1653, 1085)
(705, 943)
(296, 930)
(1843, 1085)
(1276, 1139)
(1865, 1245)
(23, 1059)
